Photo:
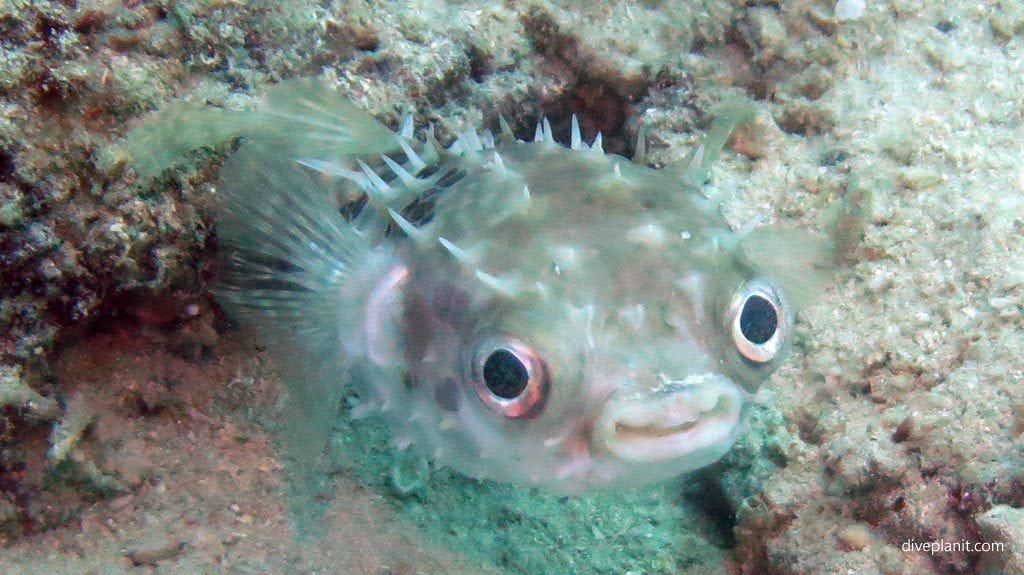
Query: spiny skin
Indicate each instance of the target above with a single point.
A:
(521, 312)
(620, 278)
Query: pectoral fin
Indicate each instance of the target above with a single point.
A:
(801, 261)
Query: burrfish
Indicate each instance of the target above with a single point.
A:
(519, 311)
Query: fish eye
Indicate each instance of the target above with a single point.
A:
(509, 377)
(757, 321)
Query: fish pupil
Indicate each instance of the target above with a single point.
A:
(505, 375)
(758, 320)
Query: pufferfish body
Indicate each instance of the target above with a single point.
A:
(518, 311)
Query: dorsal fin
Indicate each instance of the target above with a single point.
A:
(729, 114)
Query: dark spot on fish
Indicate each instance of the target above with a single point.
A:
(420, 210)
(408, 381)
(450, 177)
(351, 210)
(418, 327)
(446, 394)
(428, 170)
(450, 304)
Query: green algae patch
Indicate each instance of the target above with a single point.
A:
(655, 530)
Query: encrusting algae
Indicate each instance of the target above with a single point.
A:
(518, 311)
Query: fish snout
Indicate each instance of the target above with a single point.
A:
(695, 418)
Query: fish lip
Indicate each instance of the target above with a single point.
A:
(689, 418)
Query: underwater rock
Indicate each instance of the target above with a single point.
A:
(1003, 525)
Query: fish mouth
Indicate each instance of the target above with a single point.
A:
(697, 418)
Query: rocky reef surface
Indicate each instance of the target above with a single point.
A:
(135, 423)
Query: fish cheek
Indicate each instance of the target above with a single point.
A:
(433, 321)
(450, 304)
(447, 395)
(418, 328)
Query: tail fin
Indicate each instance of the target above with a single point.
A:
(179, 128)
(300, 118)
(311, 120)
